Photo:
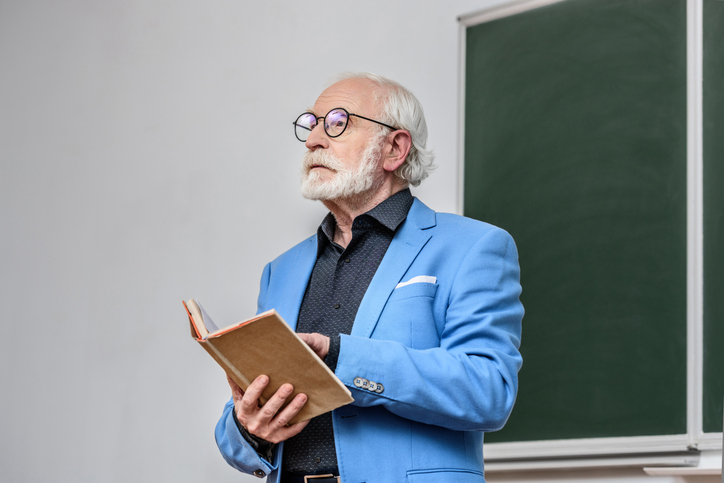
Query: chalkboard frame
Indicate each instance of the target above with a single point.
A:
(675, 449)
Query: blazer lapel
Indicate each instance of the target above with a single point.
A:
(296, 283)
(405, 246)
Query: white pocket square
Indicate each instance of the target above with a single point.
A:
(418, 279)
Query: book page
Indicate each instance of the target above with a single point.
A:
(208, 323)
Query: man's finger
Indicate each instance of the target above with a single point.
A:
(236, 391)
(291, 410)
(250, 400)
(272, 406)
(285, 433)
(311, 340)
(317, 342)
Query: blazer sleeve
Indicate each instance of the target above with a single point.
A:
(232, 444)
(470, 381)
(237, 451)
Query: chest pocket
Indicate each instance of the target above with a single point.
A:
(408, 317)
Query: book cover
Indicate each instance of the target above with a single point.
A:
(265, 344)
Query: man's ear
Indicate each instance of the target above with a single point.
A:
(399, 144)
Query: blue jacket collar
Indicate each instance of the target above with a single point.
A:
(410, 238)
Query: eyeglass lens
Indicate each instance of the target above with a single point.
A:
(335, 123)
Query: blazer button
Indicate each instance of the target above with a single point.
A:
(379, 388)
(259, 474)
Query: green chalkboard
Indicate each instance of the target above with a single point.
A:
(713, 214)
(575, 142)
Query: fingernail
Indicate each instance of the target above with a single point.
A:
(263, 379)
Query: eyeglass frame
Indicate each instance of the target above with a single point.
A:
(324, 126)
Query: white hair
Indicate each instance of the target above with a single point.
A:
(401, 109)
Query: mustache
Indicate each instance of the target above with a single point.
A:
(320, 157)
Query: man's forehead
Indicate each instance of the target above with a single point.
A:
(355, 95)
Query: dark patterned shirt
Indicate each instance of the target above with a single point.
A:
(338, 283)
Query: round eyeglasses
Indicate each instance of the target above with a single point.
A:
(335, 122)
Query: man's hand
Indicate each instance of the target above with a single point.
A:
(267, 422)
(317, 342)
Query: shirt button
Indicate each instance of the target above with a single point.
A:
(346, 260)
(336, 306)
(259, 474)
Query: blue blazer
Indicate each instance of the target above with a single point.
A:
(442, 353)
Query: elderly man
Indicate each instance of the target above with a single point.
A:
(417, 312)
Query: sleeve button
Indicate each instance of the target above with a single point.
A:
(259, 474)
(379, 388)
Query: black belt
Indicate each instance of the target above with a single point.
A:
(295, 478)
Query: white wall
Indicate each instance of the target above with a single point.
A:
(147, 156)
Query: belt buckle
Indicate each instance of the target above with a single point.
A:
(311, 478)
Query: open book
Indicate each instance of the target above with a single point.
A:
(265, 344)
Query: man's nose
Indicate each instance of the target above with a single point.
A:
(317, 138)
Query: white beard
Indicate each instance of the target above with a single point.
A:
(346, 183)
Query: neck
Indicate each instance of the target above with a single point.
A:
(345, 210)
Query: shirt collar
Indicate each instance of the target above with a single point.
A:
(390, 214)
(393, 211)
